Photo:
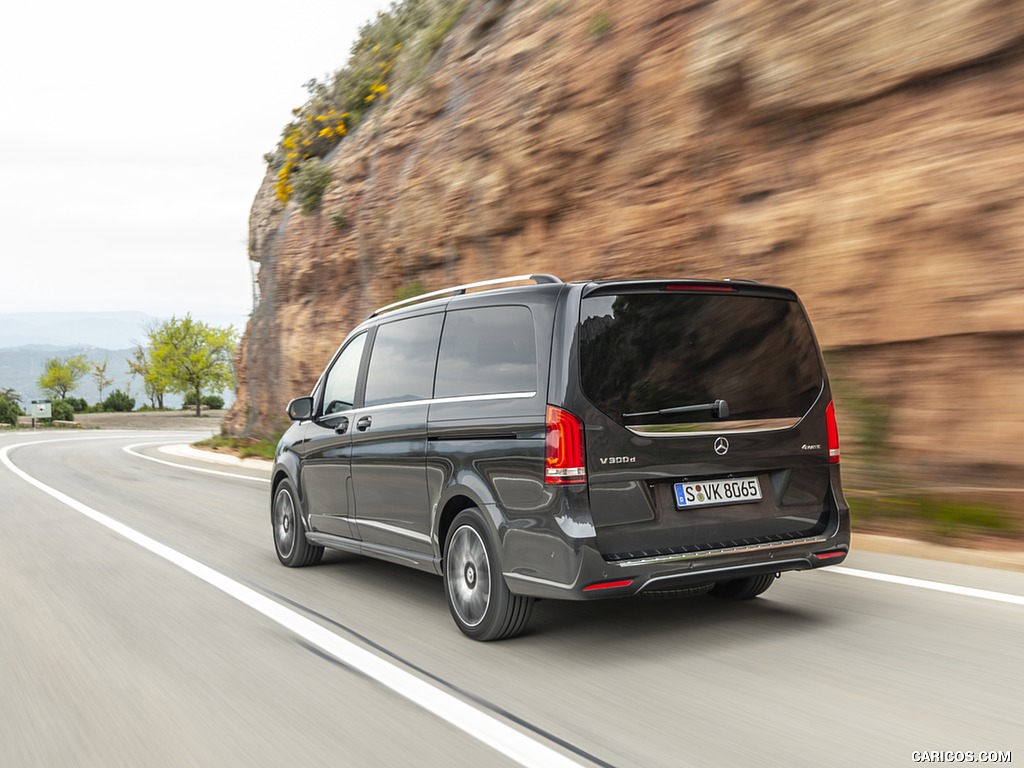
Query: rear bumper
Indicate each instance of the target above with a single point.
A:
(598, 578)
(588, 575)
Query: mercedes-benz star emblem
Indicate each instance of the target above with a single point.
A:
(721, 446)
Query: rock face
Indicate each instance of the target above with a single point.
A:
(869, 155)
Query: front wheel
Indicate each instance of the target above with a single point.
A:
(289, 531)
(478, 598)
(743, 589)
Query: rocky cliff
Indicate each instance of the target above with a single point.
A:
(870, 155)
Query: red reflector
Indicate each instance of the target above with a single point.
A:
(829, 555)
(709, 288)
(563, 451)
(608, 585)
(833, 434)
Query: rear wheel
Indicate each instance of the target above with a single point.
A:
(478, 598)
(743, 589)
(289, 531)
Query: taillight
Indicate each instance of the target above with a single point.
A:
(833, 434)
(564, 448)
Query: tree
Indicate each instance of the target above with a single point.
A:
(155, 378)
(62, 374)
(100, 378)
(194, 356)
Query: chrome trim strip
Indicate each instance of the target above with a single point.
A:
(393, 529)
(720, 552)
(439, 401)
(497, 396)
(715, 429)
(535, 580)
(689, 575)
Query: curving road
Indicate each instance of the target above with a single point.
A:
(146, 621)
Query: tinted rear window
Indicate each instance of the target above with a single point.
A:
(643, 352)
(488, 350)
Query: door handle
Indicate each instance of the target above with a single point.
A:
(364, 423)
(342, 427)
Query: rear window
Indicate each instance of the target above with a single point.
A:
(645, 352)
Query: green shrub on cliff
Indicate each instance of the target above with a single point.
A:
(310, 183)
(404, 37)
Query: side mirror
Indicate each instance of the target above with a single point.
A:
(300, 409)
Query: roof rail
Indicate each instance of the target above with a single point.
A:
(458, 290)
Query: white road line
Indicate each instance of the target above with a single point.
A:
(504, 739)
(129, 449)
(935, 586)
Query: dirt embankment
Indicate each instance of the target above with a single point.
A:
(176, 420)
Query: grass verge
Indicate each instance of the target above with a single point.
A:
(242, 447)
(944, 519)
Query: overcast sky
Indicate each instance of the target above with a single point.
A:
(131, 144)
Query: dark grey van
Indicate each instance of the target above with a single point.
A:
(570, 441)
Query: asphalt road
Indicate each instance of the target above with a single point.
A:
(145, 621)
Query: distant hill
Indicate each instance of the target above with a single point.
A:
(20, 368)
(106, 330)
(28, 339)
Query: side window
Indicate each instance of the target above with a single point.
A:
(402, 360)
(340, 386)
(487, 351)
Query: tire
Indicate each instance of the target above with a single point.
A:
(478, 598)
(743, 589)
(290, 531)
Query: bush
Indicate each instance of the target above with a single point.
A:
(119, 401)
(62, 410)
(78, 404)
(9, 412)
(213, 402)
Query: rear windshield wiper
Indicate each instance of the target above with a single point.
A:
(718, 409)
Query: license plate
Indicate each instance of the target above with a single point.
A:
(701, 493)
